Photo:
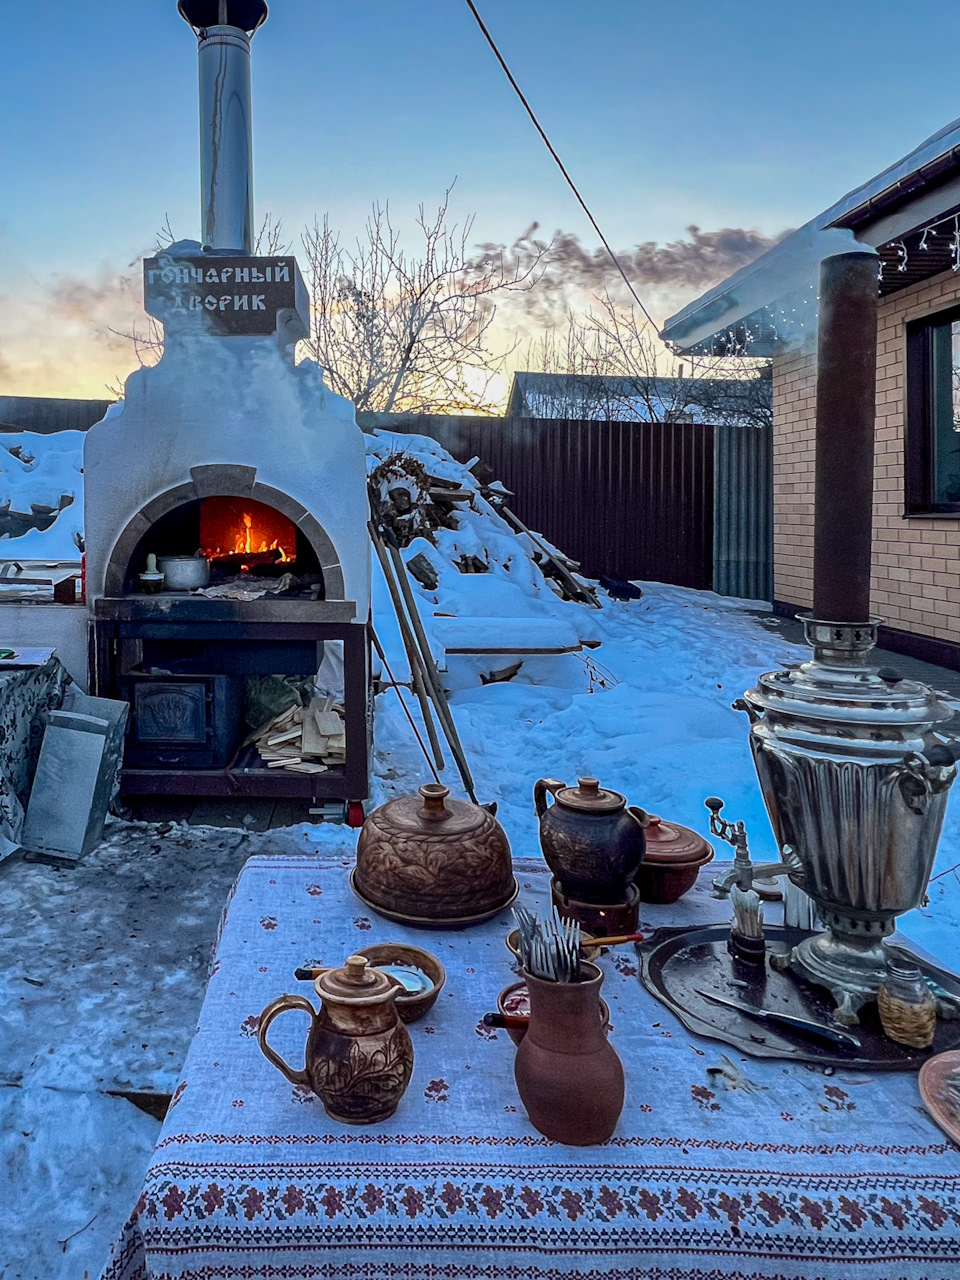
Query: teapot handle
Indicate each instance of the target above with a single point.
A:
(641, 817)
(281, 1005)
(540, 789)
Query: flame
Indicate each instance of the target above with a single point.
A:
(246, 542)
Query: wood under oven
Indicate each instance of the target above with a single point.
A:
(197, 652)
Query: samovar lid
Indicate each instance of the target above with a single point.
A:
(839, 684)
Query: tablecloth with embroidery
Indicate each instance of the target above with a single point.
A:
(721, 1166)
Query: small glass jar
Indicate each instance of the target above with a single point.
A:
(908, 1011)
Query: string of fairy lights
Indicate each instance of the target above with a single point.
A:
(931, 231)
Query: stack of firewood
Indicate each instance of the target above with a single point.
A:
(304, 739)
(411, 502)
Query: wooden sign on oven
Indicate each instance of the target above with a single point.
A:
(237, 296)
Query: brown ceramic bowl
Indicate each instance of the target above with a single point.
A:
(411, 1005)
(587, 951)
(665, 882)
(513, 999)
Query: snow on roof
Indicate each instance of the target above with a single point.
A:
(608, 398)
(790, 267)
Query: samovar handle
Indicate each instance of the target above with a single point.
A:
(742, 704)
(921, 775)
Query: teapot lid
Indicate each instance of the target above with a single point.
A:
(589, 797)
(357, 981)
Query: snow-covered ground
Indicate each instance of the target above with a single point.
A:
(43, 469)
(121, 943)
(101, 967)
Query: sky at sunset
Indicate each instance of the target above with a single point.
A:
(746, 115)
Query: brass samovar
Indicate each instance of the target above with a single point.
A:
(853, 762)
(855, 776)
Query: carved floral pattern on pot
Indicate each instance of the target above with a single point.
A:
(368, 1082)
(430, 857)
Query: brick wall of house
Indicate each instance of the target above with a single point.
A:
(916, 563)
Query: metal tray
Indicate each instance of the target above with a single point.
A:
(675, 962)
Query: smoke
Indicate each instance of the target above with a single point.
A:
(64, 335)
(665, 275)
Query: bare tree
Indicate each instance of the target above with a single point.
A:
(622, 370)
(394, 330)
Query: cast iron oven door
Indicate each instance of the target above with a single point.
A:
(191, 720)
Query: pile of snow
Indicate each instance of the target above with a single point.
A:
(513, 587)
(42, 470)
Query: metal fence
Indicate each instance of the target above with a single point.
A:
(743, 512)
(671, 502)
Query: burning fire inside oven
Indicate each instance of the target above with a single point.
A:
(238, 528)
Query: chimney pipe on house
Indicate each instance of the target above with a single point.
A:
(846, 411)
(224, 29)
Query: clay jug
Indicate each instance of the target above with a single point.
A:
(430, 860)
(568, 1075)
(359, 1057)
(592, 842)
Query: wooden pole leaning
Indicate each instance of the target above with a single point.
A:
(410, 647)
(432, 675)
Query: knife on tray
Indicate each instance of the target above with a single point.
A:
(803, 1026)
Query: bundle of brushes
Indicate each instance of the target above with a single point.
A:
(746, 932)
(549, 949)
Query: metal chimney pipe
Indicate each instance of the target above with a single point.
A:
(226, 133)
(846, 412)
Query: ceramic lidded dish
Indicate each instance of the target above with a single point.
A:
(419, 973)
(672, 861)
(432, 861)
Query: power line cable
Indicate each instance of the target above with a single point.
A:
(560, 165)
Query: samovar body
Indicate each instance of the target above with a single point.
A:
(855, 776)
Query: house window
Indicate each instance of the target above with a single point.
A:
(933, 415)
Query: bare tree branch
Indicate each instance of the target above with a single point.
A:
(410, 331)
(624, 370)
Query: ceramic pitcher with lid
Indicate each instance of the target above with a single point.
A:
(592, 841)
(358, 1058)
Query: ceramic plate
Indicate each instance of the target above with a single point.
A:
(940, 1090)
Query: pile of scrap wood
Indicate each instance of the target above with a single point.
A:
(304, 739)
(410, 501)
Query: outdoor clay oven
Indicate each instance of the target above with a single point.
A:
(242, 472)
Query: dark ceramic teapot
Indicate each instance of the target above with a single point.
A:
(591, 840)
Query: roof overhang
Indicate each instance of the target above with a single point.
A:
(770, 304)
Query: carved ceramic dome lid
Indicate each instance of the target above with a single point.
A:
(669, 842)
(356, 982)
(431, 812)
(589, 797)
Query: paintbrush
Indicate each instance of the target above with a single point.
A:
(747, 912)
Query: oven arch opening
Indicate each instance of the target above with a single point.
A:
(175, 519)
